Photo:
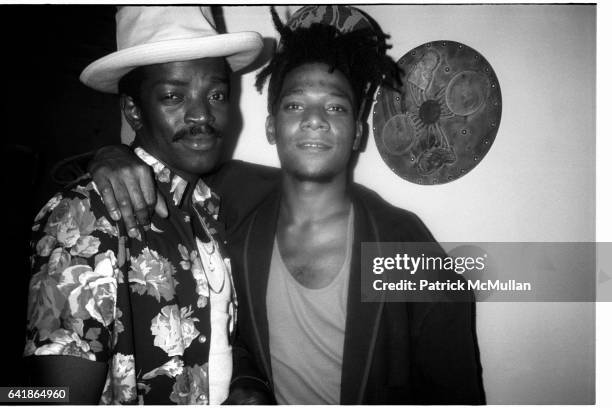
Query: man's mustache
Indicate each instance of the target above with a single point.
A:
(195, 130)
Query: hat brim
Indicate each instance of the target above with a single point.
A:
(240, 49)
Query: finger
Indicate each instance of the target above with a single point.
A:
(108, 197)
(160, 206)
(125, 207)
(147, 186)
(139, 206)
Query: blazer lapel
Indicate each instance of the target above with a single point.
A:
(256, 257)
(362, 318)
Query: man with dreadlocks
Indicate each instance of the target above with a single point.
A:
(297, 251)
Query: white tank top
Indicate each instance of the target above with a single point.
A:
(306, 328)
(222, 321)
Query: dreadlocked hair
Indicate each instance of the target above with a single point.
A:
(360, 55)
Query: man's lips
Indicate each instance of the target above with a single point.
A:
(316, 145)
(200, 141)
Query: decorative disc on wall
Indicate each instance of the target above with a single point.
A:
(444, 120)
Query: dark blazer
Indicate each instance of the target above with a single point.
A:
(394, 353)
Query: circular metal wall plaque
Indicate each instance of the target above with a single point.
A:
(444, 120)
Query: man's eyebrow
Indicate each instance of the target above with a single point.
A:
(292, 91)
(221, 79)
(341, 94)
(169, 81)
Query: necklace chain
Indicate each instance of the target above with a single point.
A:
(213, 252)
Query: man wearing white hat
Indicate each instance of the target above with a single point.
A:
(145, 315)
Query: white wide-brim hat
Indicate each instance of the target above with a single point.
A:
(149, 35)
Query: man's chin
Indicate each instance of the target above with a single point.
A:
(203, 168)
(314, 177)
(198, 164)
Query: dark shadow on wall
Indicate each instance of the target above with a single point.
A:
(47, 115)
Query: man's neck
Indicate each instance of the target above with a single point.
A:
(310, 201)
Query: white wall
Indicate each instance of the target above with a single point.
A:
(537, 183)
(539, 171)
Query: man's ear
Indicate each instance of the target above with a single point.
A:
(131, 112)
(358, 135)
(271, 129)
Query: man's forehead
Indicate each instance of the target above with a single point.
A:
(326, 87)
(316, 78)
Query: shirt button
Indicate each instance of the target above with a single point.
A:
(202, 339)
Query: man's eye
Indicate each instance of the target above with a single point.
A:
(171, 97)
(218, 96)
(292, 106)
(337, 108)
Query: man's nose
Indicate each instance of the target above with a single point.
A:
(199, 113)
(315, 118)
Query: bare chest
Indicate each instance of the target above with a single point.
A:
(314, 256)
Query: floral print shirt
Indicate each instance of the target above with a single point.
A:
(139, 304)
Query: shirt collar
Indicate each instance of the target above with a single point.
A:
(173, 185)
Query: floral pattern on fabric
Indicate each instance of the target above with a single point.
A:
(152, 274)
(174, 329)
(191, 386)
(171, 369)
(66, 343)
(120, 384)
(137, 304)
(191, 262)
